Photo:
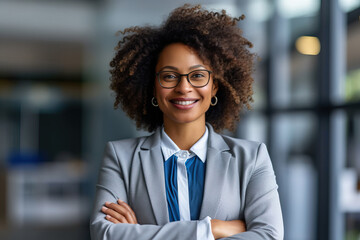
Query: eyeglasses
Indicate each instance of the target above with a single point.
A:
(197, 78)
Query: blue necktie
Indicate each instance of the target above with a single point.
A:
(196, 178)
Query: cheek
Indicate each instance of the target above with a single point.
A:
(161, 93)
(207, 93)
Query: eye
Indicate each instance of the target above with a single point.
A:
(169, 76)
(199, 75)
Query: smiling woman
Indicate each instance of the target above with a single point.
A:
(186, 80)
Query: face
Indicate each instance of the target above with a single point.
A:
(184, 103)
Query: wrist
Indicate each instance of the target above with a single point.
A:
(215, 227)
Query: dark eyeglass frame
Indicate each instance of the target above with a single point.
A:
(187, 78)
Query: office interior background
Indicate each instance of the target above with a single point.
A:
(56, 108)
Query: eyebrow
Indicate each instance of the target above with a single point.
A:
(175, 68)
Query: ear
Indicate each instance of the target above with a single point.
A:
(214, 89)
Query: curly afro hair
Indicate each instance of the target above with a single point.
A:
(217, 40)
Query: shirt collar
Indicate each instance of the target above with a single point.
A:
(169, 148)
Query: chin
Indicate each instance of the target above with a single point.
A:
(185, 119)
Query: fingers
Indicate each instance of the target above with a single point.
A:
(124, 204)
(119, 213)
(114, 215)
(111, 219)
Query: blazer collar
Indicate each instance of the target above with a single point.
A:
(216, 141)
(152, 141)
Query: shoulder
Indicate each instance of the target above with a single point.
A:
(238, 143)
(239, 148)
(252, 157)
(245, 150)
(128, 142)
(127, 146)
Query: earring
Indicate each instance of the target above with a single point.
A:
(214, 103)
(154, 102)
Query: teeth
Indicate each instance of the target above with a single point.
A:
(184, 102)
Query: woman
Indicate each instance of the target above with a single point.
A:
(185, 80)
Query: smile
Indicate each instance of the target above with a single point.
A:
(184, 103)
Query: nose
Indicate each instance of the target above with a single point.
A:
(184, 86)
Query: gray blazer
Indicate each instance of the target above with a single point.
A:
(239, 184)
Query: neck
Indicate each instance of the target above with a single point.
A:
(184, 135)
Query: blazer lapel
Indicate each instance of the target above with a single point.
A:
(153, 169)
(217, 164)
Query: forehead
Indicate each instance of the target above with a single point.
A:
(178, 55)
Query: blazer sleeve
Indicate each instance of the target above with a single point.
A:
(263, 216)
(110, 187)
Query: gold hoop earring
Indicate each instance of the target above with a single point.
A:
(154, 102)
(214, 103)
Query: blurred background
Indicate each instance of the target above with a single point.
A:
(56, 109)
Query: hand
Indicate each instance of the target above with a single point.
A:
(222, 229)
(119, 212)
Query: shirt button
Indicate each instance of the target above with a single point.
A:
(184, 154)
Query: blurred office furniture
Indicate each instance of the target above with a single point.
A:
(49, 194)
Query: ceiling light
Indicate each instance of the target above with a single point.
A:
(308, 45)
